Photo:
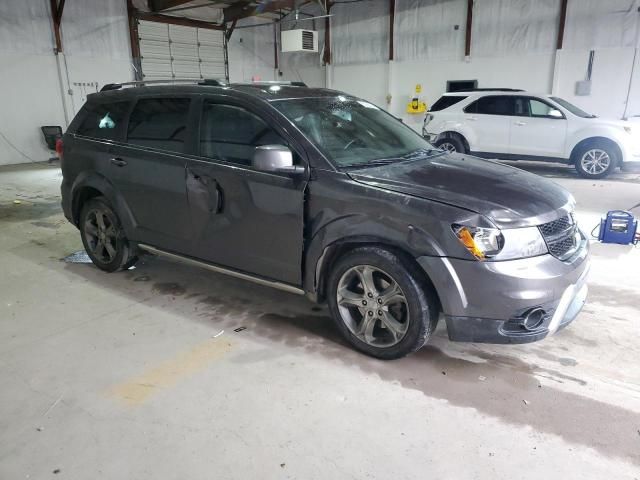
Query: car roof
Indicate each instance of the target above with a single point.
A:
(265, 91)
(481, 93)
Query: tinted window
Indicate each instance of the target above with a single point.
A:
(445, 102)
(159, 123)
(492, 105)
(103, 120)
(231, 133)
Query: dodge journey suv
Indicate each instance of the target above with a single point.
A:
(316, 192)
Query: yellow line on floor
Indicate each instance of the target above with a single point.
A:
(138, 389)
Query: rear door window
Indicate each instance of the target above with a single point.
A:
(446, 101)
(159, 123)
(492, 105)
(103, 120)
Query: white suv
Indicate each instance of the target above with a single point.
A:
(517, 125)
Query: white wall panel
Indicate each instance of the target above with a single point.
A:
(426, 29)
(610, 79)
(96, 43)
(506, 27)
(360, 32)
(602, 24)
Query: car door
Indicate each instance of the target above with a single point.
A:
(242, 218)
(537, 128)
(489, 118)
(149, 170)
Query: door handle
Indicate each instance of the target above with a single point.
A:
(471, 119)
(118, 162)
(520, 123)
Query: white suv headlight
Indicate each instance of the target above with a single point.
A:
(495, 244)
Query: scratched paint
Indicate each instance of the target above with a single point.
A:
(137, 390)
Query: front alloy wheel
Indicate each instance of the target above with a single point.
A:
(595, 161)
(372, 306)
(381, 301)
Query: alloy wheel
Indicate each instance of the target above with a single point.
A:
(372, 306)
(448, 147)
(595, 161)
(101, 235)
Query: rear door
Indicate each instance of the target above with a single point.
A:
(489, 118)
(537, 128)
(242, 218)
(149, 170)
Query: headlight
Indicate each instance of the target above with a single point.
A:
(495, 244)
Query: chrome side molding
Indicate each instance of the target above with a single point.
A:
(214, 268)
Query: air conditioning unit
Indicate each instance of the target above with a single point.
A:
(299, 41)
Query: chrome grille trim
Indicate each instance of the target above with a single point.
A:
(561, 236)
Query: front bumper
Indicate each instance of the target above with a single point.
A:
(488, 302)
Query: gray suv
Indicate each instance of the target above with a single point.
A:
(320, 193)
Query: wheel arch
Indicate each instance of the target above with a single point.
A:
(90, 185)
(596, 140)
(455, 134)
(333, 252)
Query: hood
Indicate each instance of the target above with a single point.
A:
(508, 196)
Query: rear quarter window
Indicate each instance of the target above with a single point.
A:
(446, 101)
(103, 120)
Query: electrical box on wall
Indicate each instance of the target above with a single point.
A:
(299, 41)
(583, 87)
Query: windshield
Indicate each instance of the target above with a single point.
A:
(352, 132)
(572, 108)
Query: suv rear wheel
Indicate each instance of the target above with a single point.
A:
(451, 144)
(594, 160)
(103, 237)
(380, 303)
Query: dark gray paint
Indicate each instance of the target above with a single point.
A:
(285, 228)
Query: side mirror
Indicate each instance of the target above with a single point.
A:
(275, 158)
(555, 113)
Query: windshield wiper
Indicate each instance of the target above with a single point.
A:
(423, 152)
(372, 163)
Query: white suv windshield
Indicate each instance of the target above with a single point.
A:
(572, 108)
(353, 132)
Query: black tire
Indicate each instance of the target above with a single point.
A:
(116, 252)
(451, 144)
(420, 306)
(581, 158)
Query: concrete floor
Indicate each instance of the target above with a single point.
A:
(124, 376)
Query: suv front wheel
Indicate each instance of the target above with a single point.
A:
(103, 237)
(450, 144)
(594, 160)
(380, 303)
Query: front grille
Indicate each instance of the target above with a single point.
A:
(552, 229)
(560, 236)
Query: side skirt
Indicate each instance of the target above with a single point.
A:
(215, 268)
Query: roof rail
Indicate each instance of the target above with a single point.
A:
(491, 90)
(276, 82)
(141, 83)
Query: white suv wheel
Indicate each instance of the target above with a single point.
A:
(595, 161)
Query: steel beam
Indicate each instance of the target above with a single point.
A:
(563, 19)
(187, 22)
